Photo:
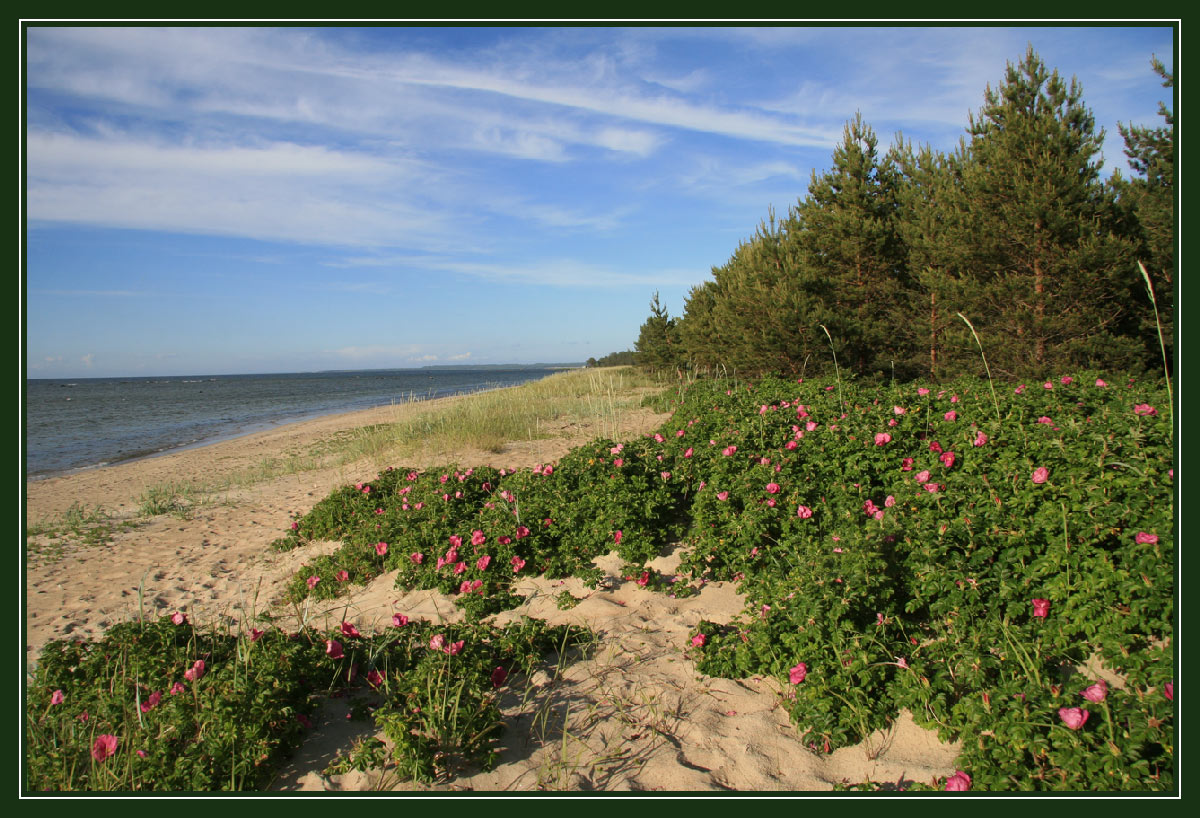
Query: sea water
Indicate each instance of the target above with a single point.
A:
(84, 422)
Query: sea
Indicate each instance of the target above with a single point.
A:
(80, 423)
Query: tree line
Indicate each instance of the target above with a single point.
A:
(903, 263)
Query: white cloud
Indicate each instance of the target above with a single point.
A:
(278, 191)
(359, 354)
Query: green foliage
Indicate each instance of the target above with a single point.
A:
(658, 342)
(225, 729)
(472, 532)
(200, 710)
(911, 582)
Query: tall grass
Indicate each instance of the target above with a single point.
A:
(592, 400)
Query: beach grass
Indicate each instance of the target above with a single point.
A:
(592, 400)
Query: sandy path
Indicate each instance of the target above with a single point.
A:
(635, 713)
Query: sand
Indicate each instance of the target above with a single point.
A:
(632, 714)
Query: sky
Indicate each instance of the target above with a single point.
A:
(220, 200)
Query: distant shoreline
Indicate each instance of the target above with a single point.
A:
(108, 421)
(430, 368)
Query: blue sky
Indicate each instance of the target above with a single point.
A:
(229, 200)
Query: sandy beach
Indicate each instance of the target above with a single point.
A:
(632, 715)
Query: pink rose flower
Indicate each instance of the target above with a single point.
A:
(922, 391)
(1144, 409)
(1041, 608)
(1100, 383)
(772, 488)
(151, 701)
(178, 618)
(416, 558)
(959, 782)
(381, 548)
(906, 464)
(698, 640)
(1073, 717)
(980, 439)
(796, 674)
(947, 459)
(478, 538)
(342, 576)
(57, 697)
(1169, 691)
(498, 676)
(1096, 693)
(333, 649)
(104, 746)
(922, 476)
(1142, 538)
(517, 564)
(617, 535)
(374, 678)
(399, 620)
(951, 416)
(483, 562)
(349, 630)
(804, 512)
(1040, 475)
(882, 438)
(195, 672)
(312, 581)
(899, 410)
(722, 495)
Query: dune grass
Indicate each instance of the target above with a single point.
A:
(591, 399)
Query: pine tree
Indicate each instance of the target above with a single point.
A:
(765, 306)
(1045, 278)
(1149, 198)
(657, 347)
(847, 231)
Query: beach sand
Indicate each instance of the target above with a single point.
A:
(632, 715)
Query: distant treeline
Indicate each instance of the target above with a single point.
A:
(1015, 231)
(625, 358)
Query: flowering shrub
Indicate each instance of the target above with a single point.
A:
(933, 549)
(960, 565)
(138, 710)
(471, 532)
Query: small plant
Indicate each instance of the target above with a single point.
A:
(79, 524)
(175, 499)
